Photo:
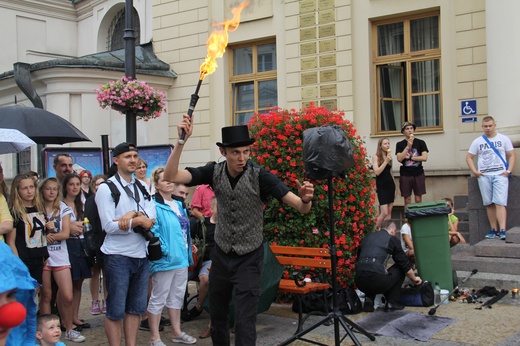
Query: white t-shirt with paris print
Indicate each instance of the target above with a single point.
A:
(488, 161)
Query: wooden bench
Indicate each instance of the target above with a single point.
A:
(307, 260)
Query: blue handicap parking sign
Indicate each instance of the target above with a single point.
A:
(468, 107)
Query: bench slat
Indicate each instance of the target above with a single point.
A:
(304, 262)
(302, 257)
(288, 286)
(300, 251)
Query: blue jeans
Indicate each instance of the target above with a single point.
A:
(127, 286)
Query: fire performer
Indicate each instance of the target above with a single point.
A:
(241, 188)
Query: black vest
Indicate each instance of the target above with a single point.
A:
(374, 253)
(240, 210)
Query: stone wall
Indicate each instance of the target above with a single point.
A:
(478, 222)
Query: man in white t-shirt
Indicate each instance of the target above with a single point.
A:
(496, 159)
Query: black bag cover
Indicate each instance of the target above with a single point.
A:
(419, 295)
(327, 152)
(418, 213)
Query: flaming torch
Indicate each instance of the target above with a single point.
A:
(217, 43)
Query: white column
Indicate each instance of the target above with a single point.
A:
(503, 55)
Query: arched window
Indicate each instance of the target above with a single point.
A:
(116, 31)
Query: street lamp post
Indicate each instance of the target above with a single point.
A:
(129, 38)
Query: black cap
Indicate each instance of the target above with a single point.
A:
(235, 136)
(407, 123)
(123, 148)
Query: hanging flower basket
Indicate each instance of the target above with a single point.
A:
(131, 94)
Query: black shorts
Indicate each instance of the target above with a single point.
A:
(416, 184)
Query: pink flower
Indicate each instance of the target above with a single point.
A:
(135, 95)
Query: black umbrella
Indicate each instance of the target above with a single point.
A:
(40, 125)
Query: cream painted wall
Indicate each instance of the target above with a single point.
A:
(180, 31)
(60, 29)
(32, 31)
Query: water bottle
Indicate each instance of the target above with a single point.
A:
(437, 294)
(86, 237)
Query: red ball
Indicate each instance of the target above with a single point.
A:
(12, 315)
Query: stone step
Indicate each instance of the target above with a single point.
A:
(513, 235)
(462, 214)
(497, 248)
(464, 259)
(460, 201)
(481, 279)
(463, 226)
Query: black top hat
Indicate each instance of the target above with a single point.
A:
(407, 123)
(235, 136)
(123, 148)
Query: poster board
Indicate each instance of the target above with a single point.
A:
(83, 158)
(92, 158)
(154, 155)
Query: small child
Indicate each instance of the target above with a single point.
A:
(406, 241)
(453, 226)
(48, 331)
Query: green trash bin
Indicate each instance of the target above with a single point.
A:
(429, 223)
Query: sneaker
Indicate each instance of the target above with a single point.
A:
(492, 234)
(144, 325)
(74, 336)
(502, 234)
(95, 310)
(157, 342)
(164, 321)
(103, 307)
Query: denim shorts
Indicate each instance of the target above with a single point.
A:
(127, 286)
(203, 270)
(80, 268)
(493, 189)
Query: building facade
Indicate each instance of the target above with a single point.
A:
(382, 62)
(442, 64)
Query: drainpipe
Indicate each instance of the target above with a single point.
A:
(22, 77)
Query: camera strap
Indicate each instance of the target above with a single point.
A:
(135, 196)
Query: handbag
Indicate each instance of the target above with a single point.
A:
(419, 295)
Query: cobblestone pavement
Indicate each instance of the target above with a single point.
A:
(496, 326)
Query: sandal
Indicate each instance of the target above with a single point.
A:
(184, 338)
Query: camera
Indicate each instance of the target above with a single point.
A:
(146, 233)
(154, 244)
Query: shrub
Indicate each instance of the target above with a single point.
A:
(278, 148)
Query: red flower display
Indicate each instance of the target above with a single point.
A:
(278, 148)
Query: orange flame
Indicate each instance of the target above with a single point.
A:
(218, 40)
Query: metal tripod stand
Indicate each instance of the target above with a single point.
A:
(335, 314)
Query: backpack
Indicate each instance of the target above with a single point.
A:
(94, 239)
